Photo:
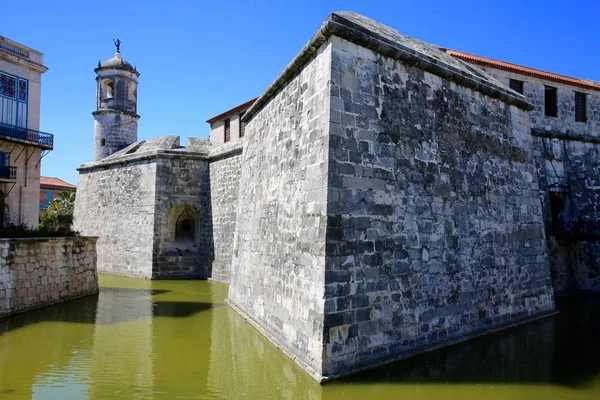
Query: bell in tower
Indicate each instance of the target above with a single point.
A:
(116, 118)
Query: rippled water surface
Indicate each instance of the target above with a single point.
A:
(177, 340)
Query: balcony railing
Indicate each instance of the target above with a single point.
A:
(45, 140)
(8, 172)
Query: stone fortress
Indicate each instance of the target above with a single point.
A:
(382, 197)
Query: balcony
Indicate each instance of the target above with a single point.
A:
(19, 50)
(8, 173)
(27, 136)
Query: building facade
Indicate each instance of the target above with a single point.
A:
(382, 197)
(565, 125)
(22, 145)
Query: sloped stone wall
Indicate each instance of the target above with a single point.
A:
(277, 269)
(43, 271)
(435, 228)
(224, 186)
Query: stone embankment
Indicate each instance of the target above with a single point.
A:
(38, 272)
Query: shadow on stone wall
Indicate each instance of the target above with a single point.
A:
(561, 350)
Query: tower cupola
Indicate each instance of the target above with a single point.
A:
(116, 118)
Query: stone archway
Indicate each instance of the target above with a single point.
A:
(180, 229)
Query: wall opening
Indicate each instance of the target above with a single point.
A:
(103, 142)
(185, 229)
(557, 206)
(108, 88)
(180, 229)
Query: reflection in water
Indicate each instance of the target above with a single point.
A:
(176, 339)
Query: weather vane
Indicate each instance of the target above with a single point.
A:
(118, 44)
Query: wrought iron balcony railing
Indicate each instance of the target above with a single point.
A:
(8, 172)
(45, 140)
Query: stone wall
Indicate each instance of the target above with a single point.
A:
(569, 171)
(277, 270)
(118, 130)
(435, 228)
(224, 186)
(116, 204)
(182, 190)
(43, 271)
(566, 155)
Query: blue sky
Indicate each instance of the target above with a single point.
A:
(199, 58)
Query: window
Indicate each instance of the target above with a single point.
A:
(242, 127)
(550, 100)
(227, 130)
(103, 142)
(516, 85)
(580, 107)
(8, 86)
(22, 90)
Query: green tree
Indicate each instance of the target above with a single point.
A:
(59, 215)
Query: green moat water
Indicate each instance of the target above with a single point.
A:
(177, 340)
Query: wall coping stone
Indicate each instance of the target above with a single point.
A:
(50, 239)
(179, 154)
(368, 33)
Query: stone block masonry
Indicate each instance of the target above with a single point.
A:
(39, 272)
(117, 205)
(224, 186)
(391, 203)
(278, 262)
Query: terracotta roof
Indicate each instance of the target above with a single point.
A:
(519, 69)
(235, 110)
(55, 183)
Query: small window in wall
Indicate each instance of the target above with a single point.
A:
(551, 108)
(516, 85)
(103, 142)
(580, 107)
(227, 130)
(242, 127)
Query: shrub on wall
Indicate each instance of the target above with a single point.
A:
(56, 221)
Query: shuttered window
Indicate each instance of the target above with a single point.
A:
(227, 130)
(516, 85)
(242, 126)
(580, 107)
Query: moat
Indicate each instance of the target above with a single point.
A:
(178, 339)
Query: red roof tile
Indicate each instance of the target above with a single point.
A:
(55, 183)
(235, 110)
(519, 69)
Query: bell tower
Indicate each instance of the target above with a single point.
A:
(116, 118)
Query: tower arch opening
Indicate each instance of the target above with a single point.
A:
(132, 91)
(108, 89)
